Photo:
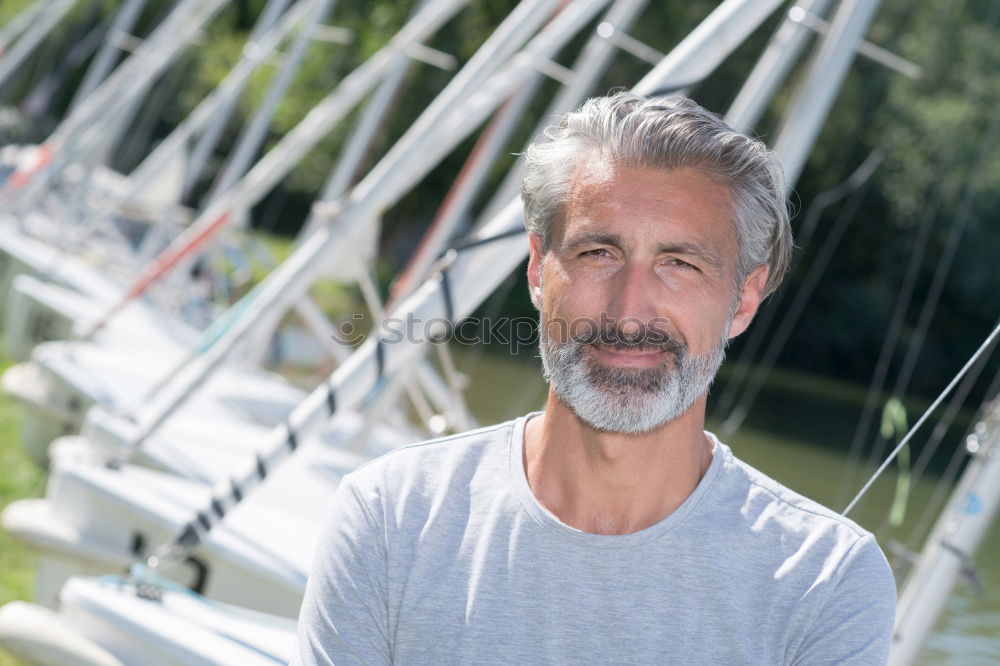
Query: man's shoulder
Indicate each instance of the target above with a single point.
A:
(768, 499)
(819, 554)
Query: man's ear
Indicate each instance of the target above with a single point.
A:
(751, 294)
(535, 254)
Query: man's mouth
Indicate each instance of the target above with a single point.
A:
(629, 357)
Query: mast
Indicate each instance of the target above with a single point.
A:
(209, 139)
(773, 66)
(102, 112)
(253, 135)
(815, 97)
(36, 26)
(960, 529)
(214, 105)
(107, 56)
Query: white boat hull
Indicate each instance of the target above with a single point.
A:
(97, 519)
(109, 622)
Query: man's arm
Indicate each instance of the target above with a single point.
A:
(854, 625)
(344, 615)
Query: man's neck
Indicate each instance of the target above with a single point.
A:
(613, 483)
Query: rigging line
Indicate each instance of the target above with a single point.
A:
(941, 428)
(941, 274)
(889, 342)
(897, 321)
(964, 213)
(916, 426)
(762, 322)
(791, 318)
(943, 268)
(947, 480)
(478, 239)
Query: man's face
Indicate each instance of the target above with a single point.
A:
(638, 294)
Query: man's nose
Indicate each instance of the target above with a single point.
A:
(633, 297)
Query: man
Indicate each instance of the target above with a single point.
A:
(610, 528)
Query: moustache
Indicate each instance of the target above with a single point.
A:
(645, 338)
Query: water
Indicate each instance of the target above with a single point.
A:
(796, 437)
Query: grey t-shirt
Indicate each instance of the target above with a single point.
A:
(439, 553)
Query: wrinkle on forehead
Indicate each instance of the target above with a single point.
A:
(596, 174)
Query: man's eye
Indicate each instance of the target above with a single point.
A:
(596, 252)
(680, 263)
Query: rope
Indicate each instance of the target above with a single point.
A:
(448, 301)
(470, 242)
(931, 509)
(943, 424)
(941, 273)
(896, 321)
(916, 426)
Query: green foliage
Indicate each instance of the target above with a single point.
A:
(20, 478)
(11, 8)
(935, 125)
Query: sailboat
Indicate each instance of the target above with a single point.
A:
(223, 534)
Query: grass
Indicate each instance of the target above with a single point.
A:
(11, 8)
(19, 477)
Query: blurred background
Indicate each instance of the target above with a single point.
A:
(893, 287)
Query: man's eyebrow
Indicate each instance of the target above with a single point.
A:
(593, 238)
(685, 248)
(691, 250)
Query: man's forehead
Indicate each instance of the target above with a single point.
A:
(600, 185)
(592, 175)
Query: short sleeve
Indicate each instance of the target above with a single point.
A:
(854, 625)
(344, 616)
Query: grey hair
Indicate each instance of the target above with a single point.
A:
(666, 134)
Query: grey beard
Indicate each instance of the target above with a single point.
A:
(627, 400)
